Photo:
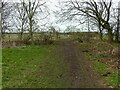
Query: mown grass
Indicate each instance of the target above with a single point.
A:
(32, 67)
(100, 67)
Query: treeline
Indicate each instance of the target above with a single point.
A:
(29, 17)
(24, 17)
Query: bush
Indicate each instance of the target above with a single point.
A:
(47, 39)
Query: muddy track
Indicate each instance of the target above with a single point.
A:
(80, 72)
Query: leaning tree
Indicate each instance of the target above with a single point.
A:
(98, 12)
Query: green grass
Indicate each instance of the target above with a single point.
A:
(101, 68)
(33, 66)
(111, 79)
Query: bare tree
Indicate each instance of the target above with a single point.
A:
(118, 27)
(117, 31)
(5, 13)
(31, 7)
(116, 21)
(20, 19)
(99, 12)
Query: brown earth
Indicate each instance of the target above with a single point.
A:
(81, 74)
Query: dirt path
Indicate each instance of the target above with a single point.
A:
(81, 74)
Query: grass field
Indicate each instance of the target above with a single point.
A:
(33, 66)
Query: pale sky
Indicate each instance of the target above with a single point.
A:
(52, 7)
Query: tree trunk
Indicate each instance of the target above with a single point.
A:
(101, 34)
(117, 35)
(109, 29)
(31, 33)
(110, 35)
(21, 34)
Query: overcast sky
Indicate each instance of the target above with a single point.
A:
(52, 7)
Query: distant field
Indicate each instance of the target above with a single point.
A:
(82, 35)
(14, 37)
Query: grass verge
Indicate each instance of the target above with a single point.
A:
(93, 53)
